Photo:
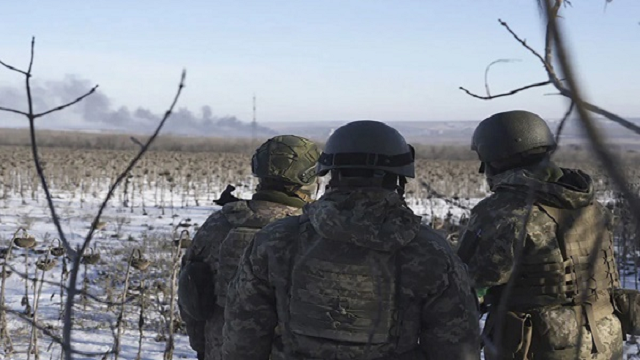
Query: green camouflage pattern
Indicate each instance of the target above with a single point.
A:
(563, 338)
(488, 248)
(434, 311)
(286, 158)
(205, 243)
(205, 335)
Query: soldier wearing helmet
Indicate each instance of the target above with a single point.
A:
(560, 307)
(285, 167)
(356, 276)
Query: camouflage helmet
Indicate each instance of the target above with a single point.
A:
(510, 133)
(288, 158)
(367, 144)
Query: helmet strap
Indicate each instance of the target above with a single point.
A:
(402, 182)
(304, 196)
(308, 192)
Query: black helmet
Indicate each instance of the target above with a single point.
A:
(507, 134)
(367, 144)
(287, 158)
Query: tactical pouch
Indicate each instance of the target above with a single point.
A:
(557, 328)
(516, 336)
(628, 310)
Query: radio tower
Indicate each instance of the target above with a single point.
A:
(254, 123)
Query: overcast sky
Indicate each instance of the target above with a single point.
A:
(318, 60)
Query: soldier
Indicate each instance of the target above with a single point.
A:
(356, 276)
(285, 167)
(560, 307)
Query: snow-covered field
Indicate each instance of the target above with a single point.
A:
(151, 229)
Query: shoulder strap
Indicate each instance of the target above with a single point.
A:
(559, 217)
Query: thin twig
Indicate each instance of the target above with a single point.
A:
(33, 46)
(64, 106)
(563, 121)
(76, 261)
(136, 141)
(486, 72)
(523, 42)
(12, 68)
(557, 83)
(607, 114)
(512, 92)
(609, 162)
(76, 256)
(13, 111)
(40, 171)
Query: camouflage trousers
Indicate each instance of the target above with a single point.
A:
(213, 335)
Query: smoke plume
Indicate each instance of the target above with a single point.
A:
(97, 112)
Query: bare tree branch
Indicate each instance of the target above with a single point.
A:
(547, 62)
(30, 116)
(523, 42)
(136, 141)
(609, 162)
(12, 68)
(548, 38)
(64, 106)
(33, 46)
(14, 111)
(73, 278)
(563, 121)
(607, 114)
(486, 72)
(76, 256)
(512, 92)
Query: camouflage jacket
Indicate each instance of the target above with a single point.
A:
(488, 247)
(488, 243)
(355, 277)
(205, 335)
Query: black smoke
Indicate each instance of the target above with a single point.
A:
(97, 112)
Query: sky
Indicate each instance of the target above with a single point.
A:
(400, 60)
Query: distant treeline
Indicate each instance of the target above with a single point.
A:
(110, 141)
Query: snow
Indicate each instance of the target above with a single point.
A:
(151, 228)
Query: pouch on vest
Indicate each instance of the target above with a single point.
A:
(516, 336)
(628, 310)
(342, 301)
(557, 327)
(231, 250)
